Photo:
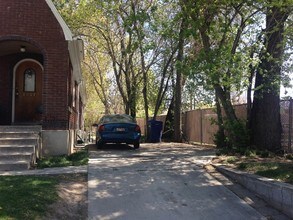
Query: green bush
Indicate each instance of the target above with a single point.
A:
(220, 140)
(235, 136)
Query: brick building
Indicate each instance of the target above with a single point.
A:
(40, 75)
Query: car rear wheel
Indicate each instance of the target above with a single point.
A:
(136, 145)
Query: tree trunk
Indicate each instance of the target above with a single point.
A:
(265, 115)
(220, 135)
(169, 122)
(179, 85)
(249, 90)
(133, 104)
(163, 88)
(145, 89)
(223, 97)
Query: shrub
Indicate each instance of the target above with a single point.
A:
(234, 136)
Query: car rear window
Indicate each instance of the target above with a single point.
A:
(117, 119)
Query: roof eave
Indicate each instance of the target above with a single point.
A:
(67, 33)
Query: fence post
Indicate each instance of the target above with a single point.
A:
(290, 125)
(201, 131)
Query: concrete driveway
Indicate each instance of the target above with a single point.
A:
(162, 181)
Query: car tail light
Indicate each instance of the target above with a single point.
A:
(137, 129)
(101, 128)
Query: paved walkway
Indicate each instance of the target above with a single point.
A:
(47, 171)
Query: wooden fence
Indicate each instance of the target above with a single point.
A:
(287, 125)
(197, 124)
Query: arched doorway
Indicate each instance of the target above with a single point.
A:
(27, 92)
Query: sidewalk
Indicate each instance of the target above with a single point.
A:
(47, 171)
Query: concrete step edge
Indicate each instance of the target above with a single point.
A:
(16, 145)
(16, 154)
(19, 138)
(9, 162)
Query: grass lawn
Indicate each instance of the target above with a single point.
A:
(26, 197)
(76, 159)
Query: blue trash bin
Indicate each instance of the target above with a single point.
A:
(155, 130)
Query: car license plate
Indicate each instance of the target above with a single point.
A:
(120, 129)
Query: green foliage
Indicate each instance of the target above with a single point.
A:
(221, 141)
(79, 158)
(26, 197)
(76, 159)
(236, 136)
(219, 39)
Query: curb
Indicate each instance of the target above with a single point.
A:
(278, 195)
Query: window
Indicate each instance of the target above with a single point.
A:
(29, 80)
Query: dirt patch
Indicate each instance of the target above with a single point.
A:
(234, 161)
(277, 168)
(72, 203)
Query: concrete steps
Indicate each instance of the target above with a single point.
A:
(18, 147)
(9, 165)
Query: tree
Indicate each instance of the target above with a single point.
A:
(142, 20)
(179, 79)
(97, 67)
(130, 37)
(167, 23)
(265, 114)
(219, 27)
(143, 50)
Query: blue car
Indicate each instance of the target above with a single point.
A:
(118, 128)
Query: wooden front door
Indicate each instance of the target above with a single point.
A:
(28, 93)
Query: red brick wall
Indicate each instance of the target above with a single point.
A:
(33, 21)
